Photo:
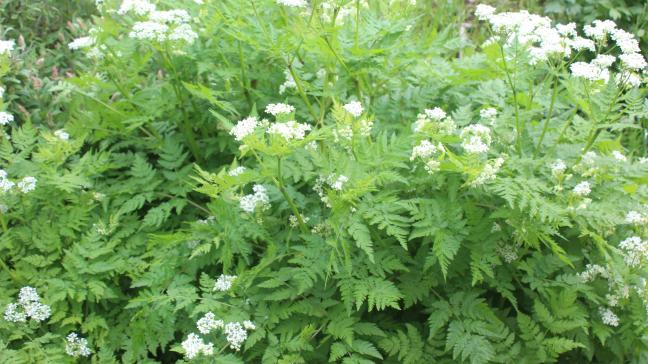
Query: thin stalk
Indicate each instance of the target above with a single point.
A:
(549, 116)
(291, 203)
(518, 129)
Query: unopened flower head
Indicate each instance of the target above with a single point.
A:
(354, 108)
(508, 253)
(276, 109)
(249, 325)
(194, 346)
(224, 283)
(76, 346)
(244, 128)
(5, 118)
(27, 184)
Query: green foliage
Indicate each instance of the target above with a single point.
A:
(332, 232)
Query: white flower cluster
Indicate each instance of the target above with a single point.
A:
(508, 253)
(294, 222)
(636, 218)
(194, 346)
(582, 189)
(335, 182)
(76, 346)
(435, 119)
(208, 323)
(635, 249)
(476, 138)
(558, 167)
(5, 118)
(62, 134)
(139, 7)
(6, 46)
(244, 128)
(289, 130)
(488, 113)
(293, 3)
(608, 317)
(426, 150)
(224, 283)
(592, 271)
(259, 199)
(288, 83)
(235, 172)
(82, 42)
(276, 109)
(28, 306)
(236, 334)
(488, 173)
(544, 41)
(25, 185)
(172, 25)
(354, 108)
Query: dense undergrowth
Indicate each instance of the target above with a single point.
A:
(323, 181)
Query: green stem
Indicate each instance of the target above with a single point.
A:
(518, 129)
(549, 116)
(291, 203)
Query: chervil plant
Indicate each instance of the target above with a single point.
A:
(328, 181)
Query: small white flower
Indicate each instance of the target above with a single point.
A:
(27, 184)
(259, 199)
(425, 149)
(13, 313)
(604, 60)
(276, 109)
(27, 295)
(558, 167)
(244, 128)
(580, 43)
(354, 108)
(634, 61)
(61, 134)
(599, 29)
(82, 42)
(483, 12)
(626, 41)
(149, 30)
(608, 317)
(592, 271)
(208, 323)
(636, 250)
(224, 283)
(436, 114)
(619, 156)
(582, 189)
(589, 71)
(249, 325)
(76, 346)
(338, 183)
(175, 16)
(5, 118)
(139, 7)
(508, 253)
(6, 46)
(235, 172)
(635, 218)
(488, 113)
(236, 335)
(194, 346)
(289, 130)
(183, 32)
(476, 138)
(293, 3)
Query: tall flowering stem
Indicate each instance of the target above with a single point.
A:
(545, 127)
